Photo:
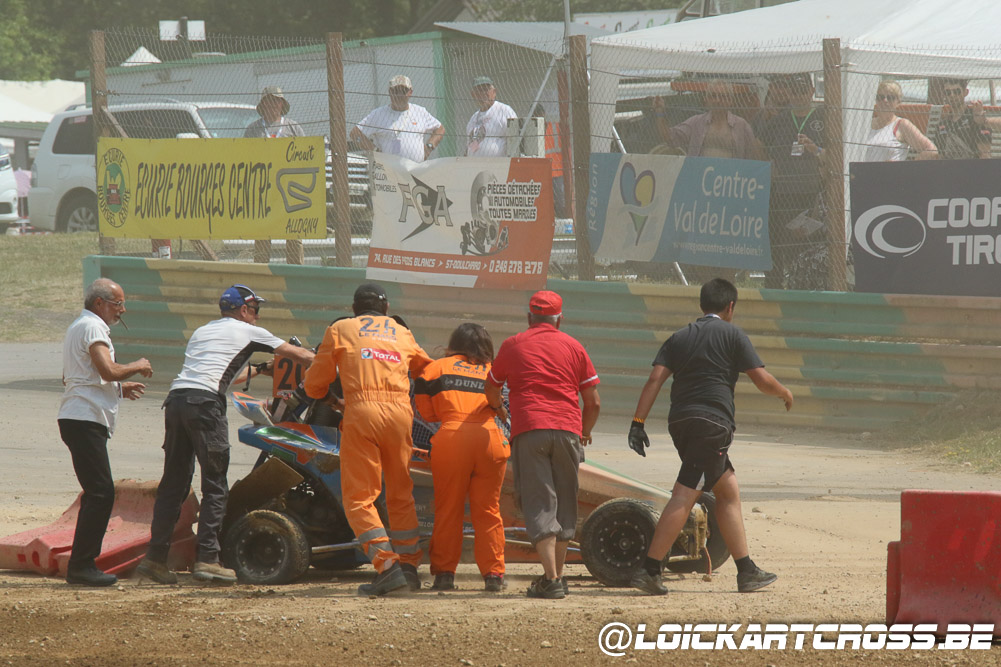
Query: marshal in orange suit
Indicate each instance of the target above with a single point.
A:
(468, 457)
(373, 354)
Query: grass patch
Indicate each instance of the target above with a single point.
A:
(964, 430)
(42, 278)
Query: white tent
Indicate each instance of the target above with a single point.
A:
(951, 38)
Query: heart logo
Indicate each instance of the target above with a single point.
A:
(637, 194)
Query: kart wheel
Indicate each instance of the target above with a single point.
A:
(615, 539)
(266, 547)
(714, 544)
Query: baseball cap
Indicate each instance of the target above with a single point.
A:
(369, 290)
(483, 81)
(400, 80)
(545, 302)
(238, 295)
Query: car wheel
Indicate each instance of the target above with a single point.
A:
(615, 539)
(78, 214)
(718, 553)
(266, 547)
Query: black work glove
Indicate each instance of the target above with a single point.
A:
(638, 440)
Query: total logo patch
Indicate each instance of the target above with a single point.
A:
(381, 355)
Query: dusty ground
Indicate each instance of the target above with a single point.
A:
(819, 509)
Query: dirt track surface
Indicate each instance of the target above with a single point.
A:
(819, 510)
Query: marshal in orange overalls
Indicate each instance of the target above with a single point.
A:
(373, 353)
(468, 458)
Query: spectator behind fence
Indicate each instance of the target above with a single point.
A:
(94, 384)
(792, 139)
(486, 131)
(776, 102)
(400, 127)
(964, 132)
(891, 137)
(717, 133)
(273, 122)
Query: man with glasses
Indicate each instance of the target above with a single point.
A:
(400, 127)
(716, 133)
(964, 132)
(94, 384)
(196, 429)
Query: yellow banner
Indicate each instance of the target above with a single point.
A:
(212, 188)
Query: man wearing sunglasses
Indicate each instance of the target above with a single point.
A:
(964, 132)
(196, 429)
(94, 384)
(400, 127)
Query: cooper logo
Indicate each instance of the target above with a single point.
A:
(381, 355)
(899, 223)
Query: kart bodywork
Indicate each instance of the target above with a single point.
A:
(287, 514)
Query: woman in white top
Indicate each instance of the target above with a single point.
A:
(891, 137)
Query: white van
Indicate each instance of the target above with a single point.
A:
(63, 178)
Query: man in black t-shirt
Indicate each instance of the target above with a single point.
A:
(705, 358)
(963, 132)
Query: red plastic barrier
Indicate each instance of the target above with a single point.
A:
(46, 550)
(946, 568)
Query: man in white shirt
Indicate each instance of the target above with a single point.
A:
(274, 121)
(486, 131)
(400, 127)
(87, 414)
(196, 428)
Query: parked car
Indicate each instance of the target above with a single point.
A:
(8, 191)
(63, 178)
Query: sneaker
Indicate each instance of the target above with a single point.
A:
(213, 572)
(413, 579)
(648, 583)
(387, 581)
(90, 576)
(154, 571)
(753, 580)
(444, 581)
(550, 589)
(494, 583)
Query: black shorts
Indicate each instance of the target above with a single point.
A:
(703, 443)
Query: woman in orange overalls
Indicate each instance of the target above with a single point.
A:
(468, 457)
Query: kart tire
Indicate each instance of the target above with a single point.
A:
(266, 547)
(715, 545)
(615, 539)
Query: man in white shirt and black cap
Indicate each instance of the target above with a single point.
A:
(94, 384)
(400, 127)
(486, 132)
(274, 121)
(196, 429)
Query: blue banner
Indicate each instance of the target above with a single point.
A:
(665, 208)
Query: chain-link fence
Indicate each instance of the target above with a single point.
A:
(751, 101)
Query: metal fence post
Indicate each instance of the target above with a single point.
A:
(99, 106)
(833, 167)
(581, 152)
(338, 150)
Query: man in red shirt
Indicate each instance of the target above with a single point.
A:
(546, 370)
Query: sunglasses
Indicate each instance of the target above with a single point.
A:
(399, 90)
(256, 309)
(953, 91)
(886, 98)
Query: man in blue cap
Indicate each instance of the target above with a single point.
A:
(196, 428)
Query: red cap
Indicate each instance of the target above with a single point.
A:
(545, 303)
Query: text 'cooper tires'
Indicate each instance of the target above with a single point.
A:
(266, 547)
(615, 539)
(714, 544)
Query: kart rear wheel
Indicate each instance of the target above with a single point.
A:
(615, 539)
(266, 547)
(715, 545)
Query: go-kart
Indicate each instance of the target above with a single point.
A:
(286, 515)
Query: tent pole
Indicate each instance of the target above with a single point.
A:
(832, 166)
